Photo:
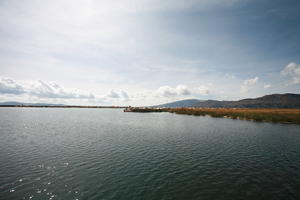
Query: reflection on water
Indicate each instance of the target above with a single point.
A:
(109, 154)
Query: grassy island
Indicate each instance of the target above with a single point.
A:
(263, 115)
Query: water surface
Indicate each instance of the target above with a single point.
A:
(108, 154)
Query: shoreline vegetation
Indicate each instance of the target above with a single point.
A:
(278, 115)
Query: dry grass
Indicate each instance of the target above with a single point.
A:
(268, 115)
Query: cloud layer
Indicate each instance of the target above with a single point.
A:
(9, 86)
(49, 91)
(122, 95)
(41, 89)
(292, 71)
(249, 84)
(182, 91)
(147, 51)
(53, 90)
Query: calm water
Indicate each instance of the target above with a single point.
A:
(108, 154)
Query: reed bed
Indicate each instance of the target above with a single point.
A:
(263, 115)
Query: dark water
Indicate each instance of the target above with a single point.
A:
(108, 154)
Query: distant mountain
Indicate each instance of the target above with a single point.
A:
(15, 103)
(269, 101)
(10, 103)
(177, 104)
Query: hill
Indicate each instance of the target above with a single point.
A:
(178, 104)
(269, 101)
(15, 103)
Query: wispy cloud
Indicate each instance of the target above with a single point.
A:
(9, 86)
(267, 86)
(125, 95)
(248, 84)
(182, 90)
(292, 71)
(146, 50)
(41, 89)
(203, 90)
(118, 95)
(167, 91)
(113, 94)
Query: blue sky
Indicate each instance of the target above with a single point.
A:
(142, 52)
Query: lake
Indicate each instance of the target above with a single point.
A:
(73, 153)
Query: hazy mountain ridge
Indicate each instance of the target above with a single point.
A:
(16, 103)
(181, 103)
(287, 100)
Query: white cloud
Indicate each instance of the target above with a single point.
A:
(267, 86)
(179, 90)
(98, 45)
(249, 84)
(167, 91)
(124, 95)
(118, 95)
(252, 81)
(182, 90)
(53, 90)
(229, 76)
(203, 90)
(9, 86)
(292, 70)
(113, 94)
(41, 89)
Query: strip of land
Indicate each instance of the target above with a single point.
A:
(261, 115)
(64, 106)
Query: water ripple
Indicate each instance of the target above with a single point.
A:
(108, 154)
